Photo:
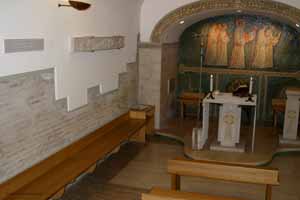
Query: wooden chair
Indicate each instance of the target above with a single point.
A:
(190, 98)
(278, 106)
(225, 172)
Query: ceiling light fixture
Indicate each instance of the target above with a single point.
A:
(78, 5)
(182, 22)
(298, 25)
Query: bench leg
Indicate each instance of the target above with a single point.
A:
(182, 110)
(268, 192)
(58, 195)
(175, 182)
(116, 150)
(275, 119)
(140, 136)
(91, 169)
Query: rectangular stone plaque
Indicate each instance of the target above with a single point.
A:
(91, 43)
(23, 45)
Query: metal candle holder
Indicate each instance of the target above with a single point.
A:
(210, 95)
(250, 98)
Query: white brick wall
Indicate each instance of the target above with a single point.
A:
(33, 126)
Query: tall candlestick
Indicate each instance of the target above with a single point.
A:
(211, 82)
(251, 86)
(201, 51)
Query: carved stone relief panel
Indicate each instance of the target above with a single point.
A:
(92, 43)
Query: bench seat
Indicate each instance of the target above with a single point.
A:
(160, 194)
(52, 175)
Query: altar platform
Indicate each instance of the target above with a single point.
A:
(266, 142)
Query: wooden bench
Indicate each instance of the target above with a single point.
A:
(49, 178)
(213, 170)
(164, 194)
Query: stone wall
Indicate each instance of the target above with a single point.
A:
(33, 125)
(150, 77)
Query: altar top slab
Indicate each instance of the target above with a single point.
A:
(228, 98)
(293, 91)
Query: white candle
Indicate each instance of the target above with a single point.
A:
(251, 85)
(201, 51)
(211, 83)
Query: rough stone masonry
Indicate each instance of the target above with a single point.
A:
(33, 125)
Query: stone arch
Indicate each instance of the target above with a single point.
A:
(280, 11)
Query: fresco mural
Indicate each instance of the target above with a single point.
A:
(243, 42)
(246, 42)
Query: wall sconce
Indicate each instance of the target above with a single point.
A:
(78, 5)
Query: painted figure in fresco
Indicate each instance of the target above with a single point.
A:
(222, 46)
(264, 48)
(271, 41)
(211, 48)
(259, 58)
(241, 38)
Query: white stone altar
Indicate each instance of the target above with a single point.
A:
(291, 119)
(229, 121)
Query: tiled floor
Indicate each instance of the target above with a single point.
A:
(136, 169)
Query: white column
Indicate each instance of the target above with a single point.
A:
(291, 119)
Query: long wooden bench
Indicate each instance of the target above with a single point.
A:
(49, 178)
(164, 194)
(212, 170)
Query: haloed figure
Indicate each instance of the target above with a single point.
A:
(260, 49)
(222, 46)
(211, 48)
(271, 41)
(264, 48)
(241, 38)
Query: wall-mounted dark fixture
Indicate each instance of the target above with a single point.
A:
(78, 5)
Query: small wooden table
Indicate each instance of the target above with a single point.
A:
(190, 98)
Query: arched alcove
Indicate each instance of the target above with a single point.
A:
(166, 34)
(169, 29)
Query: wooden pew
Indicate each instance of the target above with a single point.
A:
(225, 172)
(50, 177)
(164, 194)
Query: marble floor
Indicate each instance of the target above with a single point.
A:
(137, 168)
(265, 149)
(148, 169)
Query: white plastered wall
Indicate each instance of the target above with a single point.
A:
(74, 72)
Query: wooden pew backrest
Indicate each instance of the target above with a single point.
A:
(164, 194)
(225, 172)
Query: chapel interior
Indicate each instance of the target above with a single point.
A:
(149, 100)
